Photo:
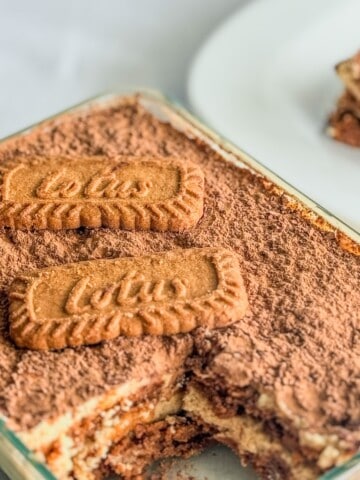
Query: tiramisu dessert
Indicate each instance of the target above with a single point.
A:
(156, 297)
(344, 122)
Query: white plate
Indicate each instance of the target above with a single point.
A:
(266, 81)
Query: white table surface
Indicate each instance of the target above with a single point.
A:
(56, 53)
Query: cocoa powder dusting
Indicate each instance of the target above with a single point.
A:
(299, 339)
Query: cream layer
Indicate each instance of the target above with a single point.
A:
(74, 444)
(248, 437)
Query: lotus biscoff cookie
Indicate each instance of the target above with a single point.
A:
(279, 385)
(57, 192)
(163, 294)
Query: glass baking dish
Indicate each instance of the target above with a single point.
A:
(16, 460)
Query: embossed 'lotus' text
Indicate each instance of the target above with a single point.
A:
(132, 289)
(160, 294)
(104, 184)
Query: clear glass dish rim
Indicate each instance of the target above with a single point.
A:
(14, 455)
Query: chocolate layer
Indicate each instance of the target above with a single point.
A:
(176, 436)
(299, 340)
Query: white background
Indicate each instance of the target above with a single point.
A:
(56, 53)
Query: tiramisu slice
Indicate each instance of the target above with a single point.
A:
(349, 72)
(344, 122)
(277, 381)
